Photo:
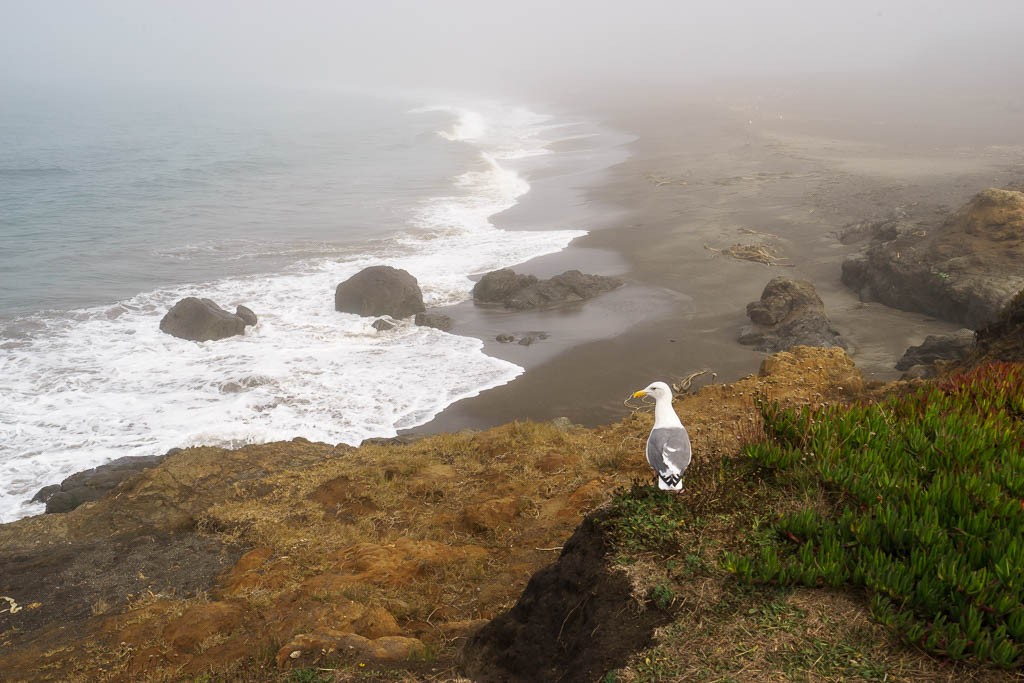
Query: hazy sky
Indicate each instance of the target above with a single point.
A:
(488, 44)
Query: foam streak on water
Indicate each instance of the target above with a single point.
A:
(83, 387)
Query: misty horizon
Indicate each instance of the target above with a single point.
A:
(525, 47)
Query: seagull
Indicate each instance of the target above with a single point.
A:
(668, 446)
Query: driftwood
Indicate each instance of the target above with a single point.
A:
(758, 253)
(684, 385)
(748, 231)
(660, 180)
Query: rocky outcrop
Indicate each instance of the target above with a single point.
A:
(203, 320)
(1002, 339)
(938, 347)
(522, 292)
(380, 290)
(438, 321)
(789, 313)
(93, 484)
(963, 270)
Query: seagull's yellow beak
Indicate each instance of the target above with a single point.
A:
(638, 394)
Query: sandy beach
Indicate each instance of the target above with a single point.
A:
(706, 173)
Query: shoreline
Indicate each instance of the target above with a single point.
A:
(702, 177)
(483, 185)
(698, 177)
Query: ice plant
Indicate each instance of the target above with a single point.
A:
(926, 515)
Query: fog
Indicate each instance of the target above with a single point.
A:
(504, 47)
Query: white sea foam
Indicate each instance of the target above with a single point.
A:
(83, 388)
(469, 126)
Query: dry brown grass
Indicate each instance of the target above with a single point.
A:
(439, 532)
(448, 529)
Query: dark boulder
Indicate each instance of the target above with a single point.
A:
(789, 313)
(201, 320)
(383, 325)
(246, 314)
(523, 292)
(938, 347)
(93, 484)
(380, 290)
(964, 269)
(438, 321)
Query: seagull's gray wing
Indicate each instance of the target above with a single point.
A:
(668, 452)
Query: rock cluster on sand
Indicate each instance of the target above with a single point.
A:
(203, 320)
(789, 313)
(524, 339)
(521, 292)
(963, 270)
(380, 290)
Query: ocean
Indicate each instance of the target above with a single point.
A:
(115, 206)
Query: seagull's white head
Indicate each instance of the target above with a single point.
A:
(659, 390)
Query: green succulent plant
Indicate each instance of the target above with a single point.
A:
(928, 512)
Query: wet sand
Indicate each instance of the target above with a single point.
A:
(703, 176)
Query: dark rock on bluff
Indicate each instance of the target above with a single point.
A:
(576, 620)
(380, 290)
(203, 320)
(963, 270)
(1003, 338)
(93, 484)
(521, 292)
(789, 313)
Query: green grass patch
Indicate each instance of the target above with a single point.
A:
(829, 660)
(927, 514)
(662, 596)
(308, 676)
(645, 519)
